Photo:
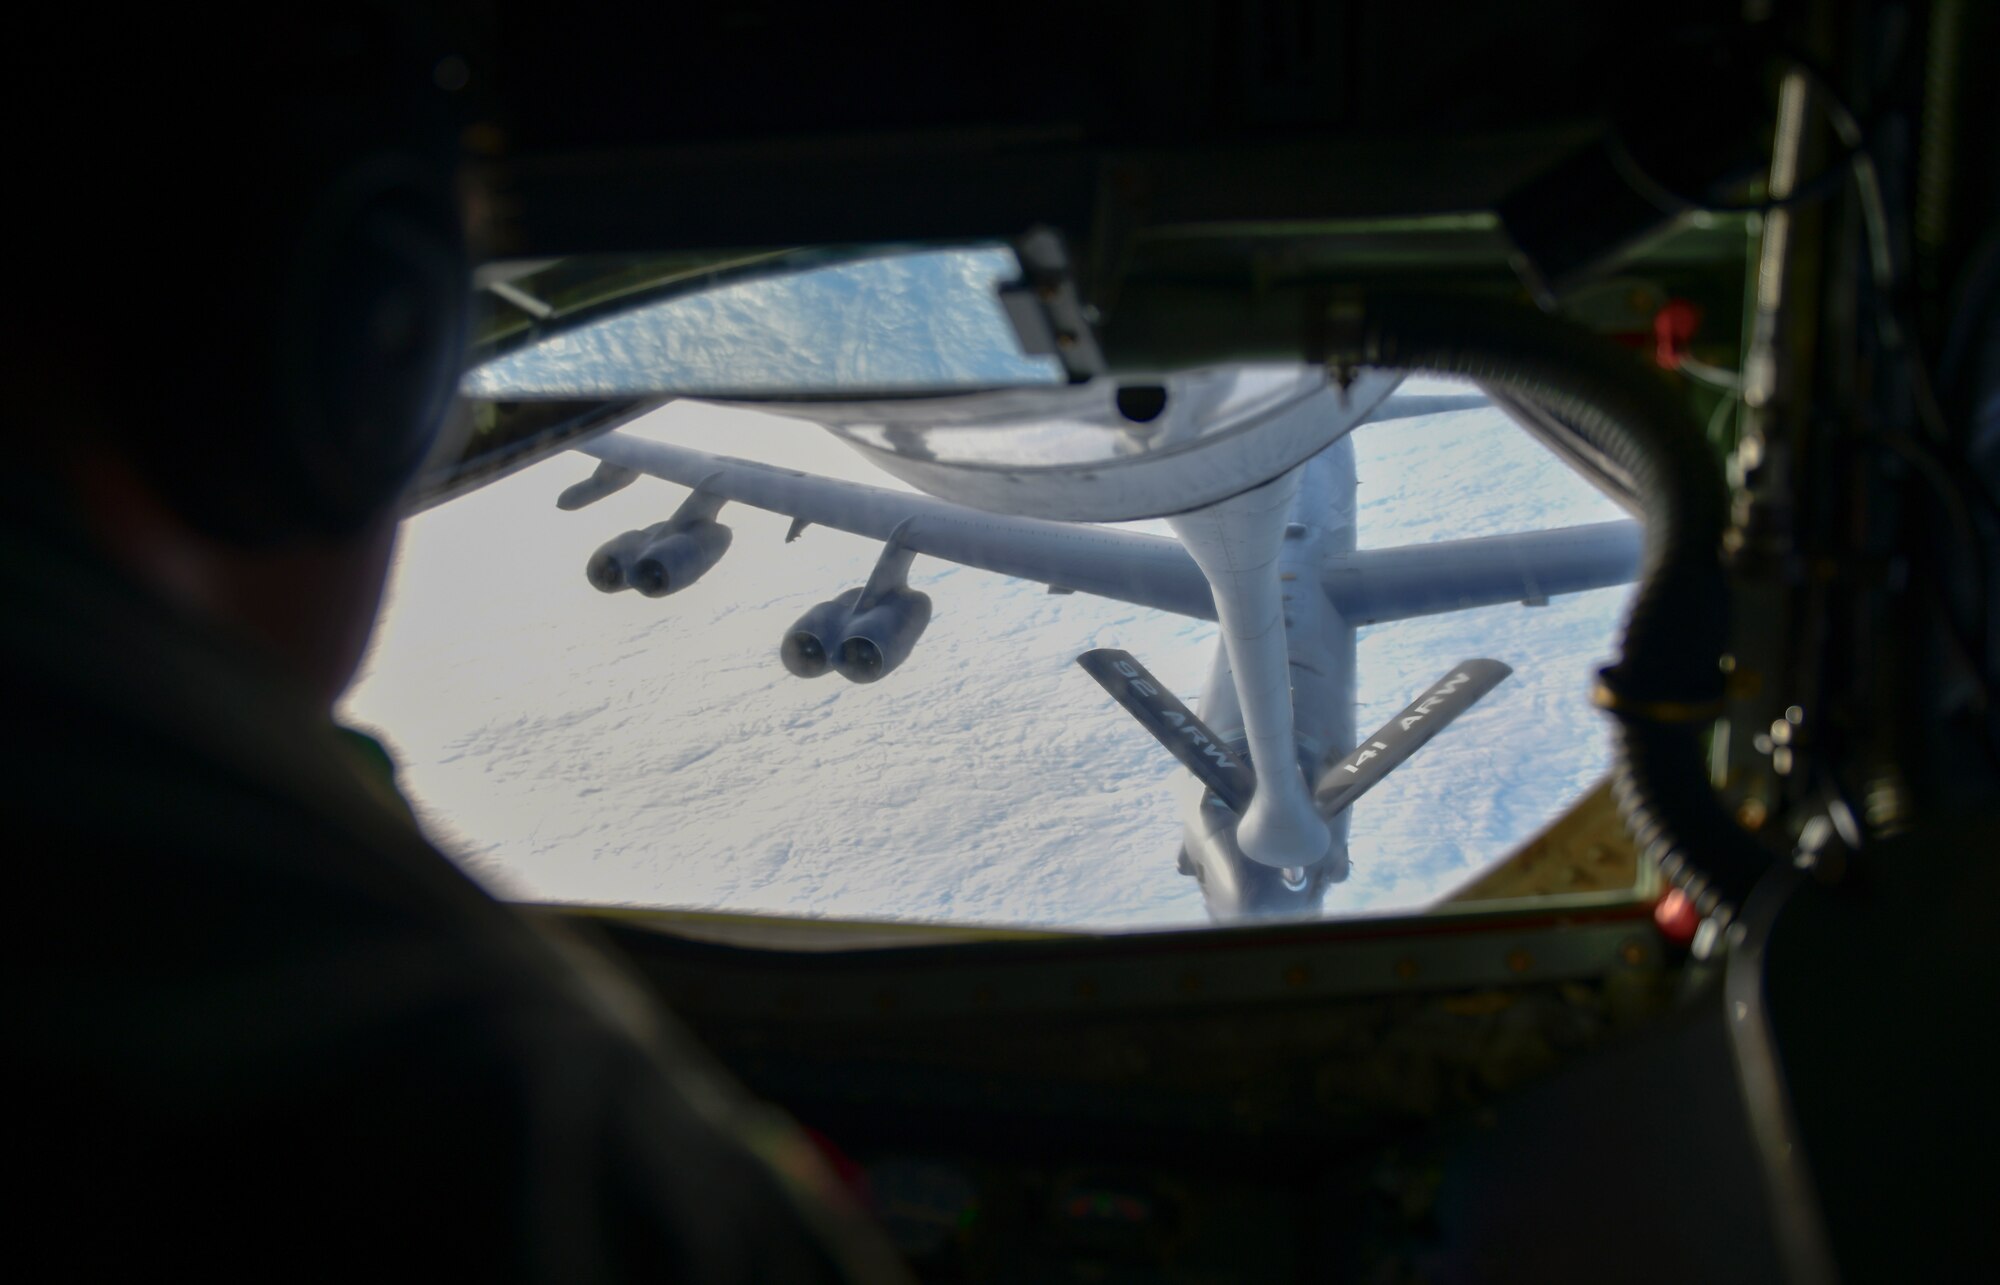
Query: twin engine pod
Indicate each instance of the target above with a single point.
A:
(862, 644)
(660, 559)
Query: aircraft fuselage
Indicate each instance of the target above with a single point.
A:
(1319, 645)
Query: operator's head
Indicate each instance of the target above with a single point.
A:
(252, 290)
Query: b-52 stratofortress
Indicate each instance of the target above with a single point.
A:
(1272, 752)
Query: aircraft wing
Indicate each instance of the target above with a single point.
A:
(1146, 570)
(1370, 586)
(1377, 585)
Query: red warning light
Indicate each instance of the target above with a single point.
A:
(1676, 917)
(1673, 330)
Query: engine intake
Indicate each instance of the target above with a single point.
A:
(881, 638)
(810, 642)
(609, 568)
(684, 556)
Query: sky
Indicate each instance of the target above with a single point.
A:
(573, 746)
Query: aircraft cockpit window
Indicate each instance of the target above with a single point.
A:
(791, 324)
(719, 660)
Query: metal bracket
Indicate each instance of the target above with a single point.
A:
(1047, 313)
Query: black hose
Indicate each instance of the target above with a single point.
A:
(1667, 684)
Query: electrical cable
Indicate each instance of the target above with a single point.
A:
(1895, 333)
(1898, 338)
(1669, 200)
(1666, 686)
(1959, 514)
(1713, 376)
(1715, 417)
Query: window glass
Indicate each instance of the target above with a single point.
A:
(576, 746)
(920, 320)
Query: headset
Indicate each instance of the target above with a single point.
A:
(338, 318)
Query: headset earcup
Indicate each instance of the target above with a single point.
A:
(370, 347)
(246, 264)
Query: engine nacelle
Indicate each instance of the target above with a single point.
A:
(880, 638)
(609, 569)
(677, 560)
(811, 641)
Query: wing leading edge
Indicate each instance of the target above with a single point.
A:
(1374, 586)
(1145, 570)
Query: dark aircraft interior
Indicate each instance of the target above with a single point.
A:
(1736, 262)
